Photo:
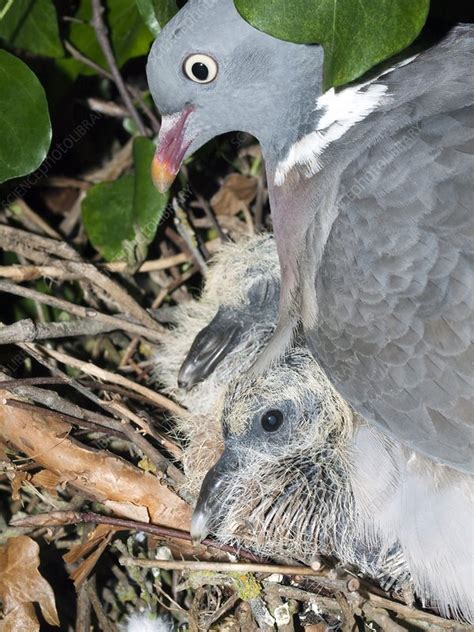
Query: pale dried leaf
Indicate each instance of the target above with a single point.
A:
(99, 474)
(46, 479)
(99, 539)
(235, 194)
(16, 482)
(20, 580)
(23, 618)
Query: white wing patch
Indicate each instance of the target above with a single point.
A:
(342, 110)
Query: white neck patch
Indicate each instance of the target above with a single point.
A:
(342, 110)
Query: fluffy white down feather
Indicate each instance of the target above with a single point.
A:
(145, 622)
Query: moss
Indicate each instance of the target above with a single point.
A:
(247, 586)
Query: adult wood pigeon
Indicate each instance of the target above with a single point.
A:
(371, 190)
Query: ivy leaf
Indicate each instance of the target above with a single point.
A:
(32, 25)
(355, 35)
(156, 13)
(121, 217)
(25, 128)
(128, 34)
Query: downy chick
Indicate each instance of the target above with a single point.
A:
(212, 340)
(301, 475)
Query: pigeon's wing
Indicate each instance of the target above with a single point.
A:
(396, 286)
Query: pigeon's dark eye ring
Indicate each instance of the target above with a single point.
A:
(200, 68)
(272, 420)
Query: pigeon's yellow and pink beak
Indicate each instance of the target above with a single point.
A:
(173, 144)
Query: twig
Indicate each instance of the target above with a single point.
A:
(22, 242)
(61, 518)
(83, 312)
(382, 619)
(19, 273)
(218, 567)
(102, 37)
(105, 73)
(74, 52)
(25, 243)
(90, 369)
(5, 9)
(34, 219)
(27, 330)
(105, 624)
(83, 611)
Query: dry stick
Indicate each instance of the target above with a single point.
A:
(82, 312)
(19, 273)
(109, 108)
(105, 624)
(131, 435)
(102, 37)
(61, 518)
(221, 567)
(105, 73)
(87, 61)
(27, 330)
(90, 369)
(76, 421)
(35, 219)
(22, 242)
(115, 292)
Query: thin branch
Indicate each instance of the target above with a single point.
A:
(19, 273)
(218, 567)
(82, 312)
(61, 518)
(90, 369)
(27, 330)
(103, 39)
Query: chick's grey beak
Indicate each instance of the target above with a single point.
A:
(209, 508)
(210, 347)
(173, 142)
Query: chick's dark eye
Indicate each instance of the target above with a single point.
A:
(272, 420)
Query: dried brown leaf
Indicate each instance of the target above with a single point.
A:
(16, 482)
(46, 479)
(97, 542)
(235, 194)
(23, 618)
(101, 475)
(21, 583)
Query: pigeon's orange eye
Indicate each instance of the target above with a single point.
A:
(200, 68)
(272, 420)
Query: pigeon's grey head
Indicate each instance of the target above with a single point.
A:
(210, 72)
(284, 434)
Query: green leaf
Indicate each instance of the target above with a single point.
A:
(356, 35)
(121, 217)
(157, 13)
(32, 25)
(128, 34)
(25, 128)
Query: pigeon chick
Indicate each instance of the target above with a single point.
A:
(212, 340)
(228, 326)
(301, 475)
(370, 189)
